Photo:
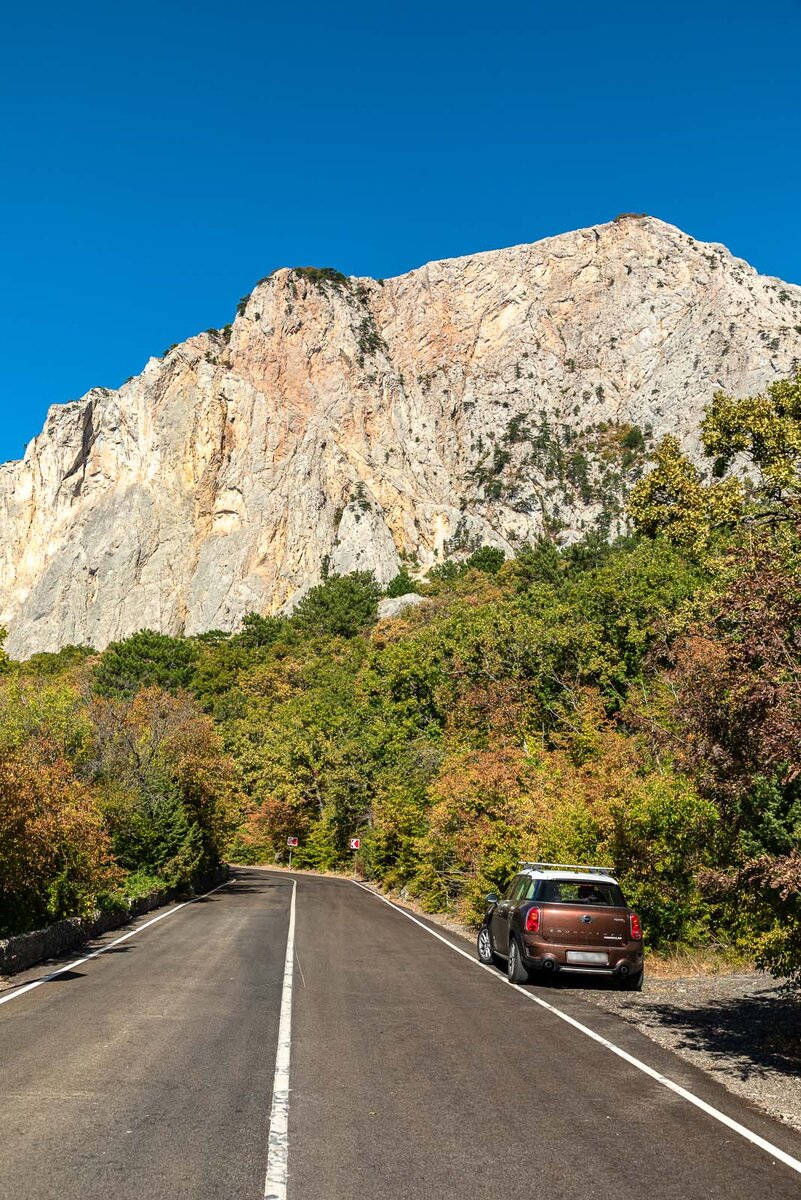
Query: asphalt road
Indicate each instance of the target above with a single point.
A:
(414, 1074)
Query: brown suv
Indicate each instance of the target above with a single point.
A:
(558, 917)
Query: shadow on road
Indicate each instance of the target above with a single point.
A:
(543, 981)
(578, 983)
(242, 889)
(250, 886)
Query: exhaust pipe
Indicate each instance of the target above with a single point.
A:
(623, 970)
(549, 964)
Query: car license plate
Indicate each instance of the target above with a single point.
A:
(598, 958)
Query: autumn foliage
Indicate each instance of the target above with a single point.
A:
(102, 798)
(55, 851)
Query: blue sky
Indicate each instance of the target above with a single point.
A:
(158, 158)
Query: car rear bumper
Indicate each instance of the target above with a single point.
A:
(621, 961)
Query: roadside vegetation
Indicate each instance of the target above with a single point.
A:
(103, 798)
(635, 703)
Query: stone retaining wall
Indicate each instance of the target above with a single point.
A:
(27, 949)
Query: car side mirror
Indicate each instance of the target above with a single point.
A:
(492, 898)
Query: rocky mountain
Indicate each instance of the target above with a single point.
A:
(345, 423)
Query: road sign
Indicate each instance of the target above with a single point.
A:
(291, 842)
(355, 843)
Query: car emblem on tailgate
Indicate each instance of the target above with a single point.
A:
(586, 918)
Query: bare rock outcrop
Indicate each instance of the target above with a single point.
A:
(347, 424)
(393, 606)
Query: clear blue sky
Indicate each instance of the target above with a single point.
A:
(158, 158)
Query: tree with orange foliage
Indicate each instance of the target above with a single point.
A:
(55, 855)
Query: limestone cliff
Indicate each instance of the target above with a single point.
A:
(355, 423)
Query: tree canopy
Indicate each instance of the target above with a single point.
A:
(340, 606)
(146, 659)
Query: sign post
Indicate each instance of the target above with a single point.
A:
(291, 843)
(355, 844)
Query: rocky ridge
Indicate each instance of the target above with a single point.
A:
(344, 423)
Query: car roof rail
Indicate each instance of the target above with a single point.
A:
(546, 866)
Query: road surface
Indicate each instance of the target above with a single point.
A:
(147, 1073)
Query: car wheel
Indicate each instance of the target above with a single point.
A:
(633, 983)
(515, 967)
(484, 946)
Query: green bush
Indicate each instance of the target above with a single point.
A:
(258, 631)
(341, 606)
(488, 559)
(320, 275)
(402, 584)
(634, 439)
(146, 659)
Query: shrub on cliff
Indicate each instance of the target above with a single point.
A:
(402, 584)
(341, 606)
(488, 559)
(146, 659)
(5, 662)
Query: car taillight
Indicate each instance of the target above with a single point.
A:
(636, 927)
(532, 920)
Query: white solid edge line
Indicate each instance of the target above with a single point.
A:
(28, 987)
(793, 1163)
(278, 1141)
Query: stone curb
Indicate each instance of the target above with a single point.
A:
(26, 949)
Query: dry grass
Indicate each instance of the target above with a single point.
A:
(694, 962)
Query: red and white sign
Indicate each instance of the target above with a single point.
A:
(291, 842)
(355, 843)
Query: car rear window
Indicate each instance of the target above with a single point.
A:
(579, 891)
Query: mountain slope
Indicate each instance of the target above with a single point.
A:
(351, 423)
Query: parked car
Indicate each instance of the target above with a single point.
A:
(561, 917)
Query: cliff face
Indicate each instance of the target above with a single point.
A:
(354, 423)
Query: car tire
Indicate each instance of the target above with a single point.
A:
(516, 969)
(632, 983)
(484, 947)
